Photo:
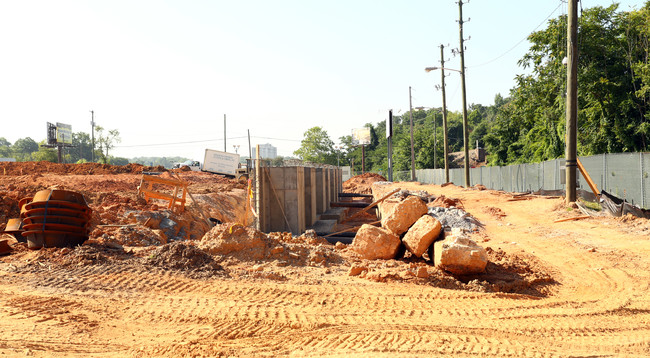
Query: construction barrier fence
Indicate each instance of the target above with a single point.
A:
(622, 174)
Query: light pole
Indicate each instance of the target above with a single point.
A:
(465, 129)
(338, 152)
(435, 137)
(236, 147)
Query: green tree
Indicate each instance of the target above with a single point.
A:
(5, 148)
(23, 149)
(612, 113)
(45, 154)
(82, 149)
(107, 141)
(317, 147)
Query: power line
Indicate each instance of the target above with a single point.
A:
(200, 141)
(522, 40)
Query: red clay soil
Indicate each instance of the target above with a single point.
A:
(361, 184)
(23, 168)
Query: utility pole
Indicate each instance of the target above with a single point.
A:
(412, 151)
(572, 102)
(389, 137)
(250, 153)
(444, 113)
(462, 74)
(92, 124)
(224, 132)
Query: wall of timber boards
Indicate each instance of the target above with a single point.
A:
(292, 198)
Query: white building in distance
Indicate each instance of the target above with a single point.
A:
(267, 151)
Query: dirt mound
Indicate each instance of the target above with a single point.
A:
(236, 244)
(361, 184)
(445, 202)
(244, 243)
(184, 256)
(24, 168)
(505, 273)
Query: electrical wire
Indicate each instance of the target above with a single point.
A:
(200, 141)
(518, 43)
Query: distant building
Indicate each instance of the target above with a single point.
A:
(267, 151)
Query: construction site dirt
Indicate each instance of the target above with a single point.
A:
(151, 282)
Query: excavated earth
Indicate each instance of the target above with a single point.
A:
(150, 282)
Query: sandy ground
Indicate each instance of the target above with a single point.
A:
(575, 288)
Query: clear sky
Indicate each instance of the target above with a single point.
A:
(164, 73)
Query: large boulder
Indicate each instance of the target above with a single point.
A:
(421, 235)
(373, 243)
(460, 256)
(404, 214)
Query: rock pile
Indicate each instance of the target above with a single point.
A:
(410, 225)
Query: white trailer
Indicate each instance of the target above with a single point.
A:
(220, 162)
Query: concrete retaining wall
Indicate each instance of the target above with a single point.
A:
(292, 198)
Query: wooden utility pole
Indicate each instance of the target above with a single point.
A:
(412, 150)
(389, 137)
(444, 113)
(572, 102)
(462, 74)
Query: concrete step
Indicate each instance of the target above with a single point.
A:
(333, 214)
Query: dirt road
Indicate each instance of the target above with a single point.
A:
(597, 304)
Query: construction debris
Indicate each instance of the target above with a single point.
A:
(373, 243)
(459, 255)
(455, 218)
(55, 218)
(421, 235)
(403, 215)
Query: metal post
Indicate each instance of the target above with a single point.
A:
(412, 150)
(250, 154)
(462, 74)
(444, 114)
(572, 102)
(435, 140)
(92, 124)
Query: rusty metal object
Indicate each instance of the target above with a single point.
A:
(58, 212)
(55, 218)
(4, 247)
(15, 227)
(38, 239)
(60, 195)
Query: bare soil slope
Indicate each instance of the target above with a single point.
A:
(575, 288)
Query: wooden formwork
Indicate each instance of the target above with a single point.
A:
(149, 189)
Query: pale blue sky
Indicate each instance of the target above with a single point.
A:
(165, 72)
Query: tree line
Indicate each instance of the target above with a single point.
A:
(81, 150)
(529, 124)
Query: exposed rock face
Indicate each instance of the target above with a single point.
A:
(460, 256)
(404, 214)
(373, 242)
(421, 235)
